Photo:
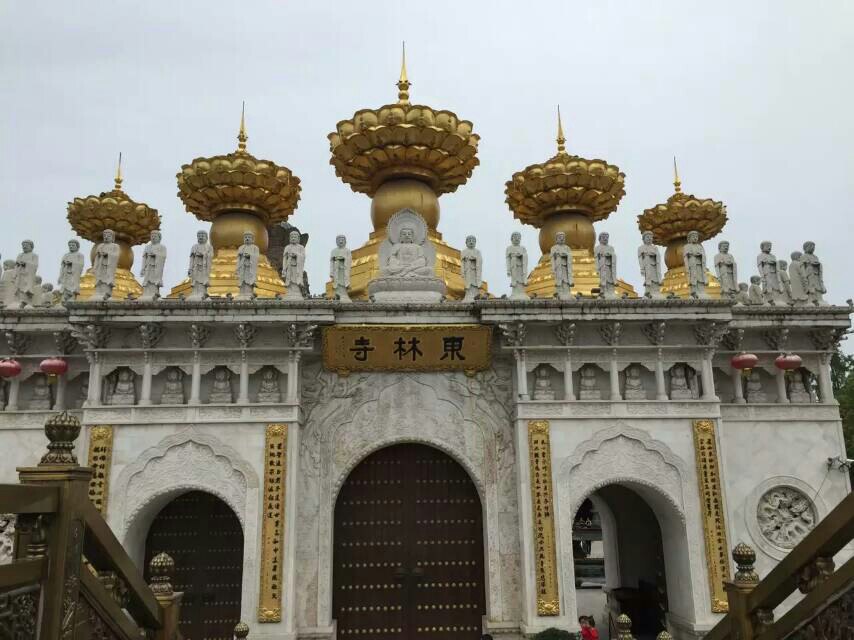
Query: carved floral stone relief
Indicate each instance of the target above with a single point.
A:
(785, 515)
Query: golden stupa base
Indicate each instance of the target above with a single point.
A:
(366, 266)
(584, 275)
(675, 281)
(223, 279)
(125, 285)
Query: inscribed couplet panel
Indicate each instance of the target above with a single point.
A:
(540, 453)
(272, 528)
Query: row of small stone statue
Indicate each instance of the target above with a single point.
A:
(777, 283)
(800, 282)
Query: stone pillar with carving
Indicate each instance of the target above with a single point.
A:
(198, 336)
(568, 391)
(614, 375)
(660, 386)
(707, 376)
(245, 333)
(825, 385)
(780, 379)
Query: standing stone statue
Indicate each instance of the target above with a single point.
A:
(247, 267)
(813, 274)
(796, 279)
(772, 288)
(785, 281)
(24, 282)
(516, 257)
(105, 265)
(472, 263)
(561, 259)
(755, 295)
(293, 261)
(201, 261)
(650, 266)
(694, 257)
(70, 272)
(726, 270)
(7, 283)
(340, 263)
(606, 264)
(153, 261)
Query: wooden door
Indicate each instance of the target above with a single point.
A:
(205, 539)
(408, 554)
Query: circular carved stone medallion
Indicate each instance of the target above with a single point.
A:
(785, 515)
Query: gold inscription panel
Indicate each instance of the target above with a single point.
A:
(451, 347)
(100, 460)
(540, 452)
(272, 528)
(712, 504)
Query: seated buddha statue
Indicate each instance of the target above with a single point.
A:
(407, 259)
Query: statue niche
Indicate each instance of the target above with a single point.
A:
(407, 260)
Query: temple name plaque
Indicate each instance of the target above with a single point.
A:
(452, 347)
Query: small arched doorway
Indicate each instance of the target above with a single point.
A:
(619, 559)
(408, 548)
(204, 537)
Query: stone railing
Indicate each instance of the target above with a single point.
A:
(69, 576)
(827, 609)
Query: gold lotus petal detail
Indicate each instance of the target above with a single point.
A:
(592, 187)
(683, 213)
(132, 221)
(404, 140)
(238, 182)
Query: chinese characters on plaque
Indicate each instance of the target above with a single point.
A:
(711, 503)
(540, 452)
(272, 530)
(100, 458)
(407, 347)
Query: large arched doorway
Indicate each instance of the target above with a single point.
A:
(204, 537)
(408, 553)
(619, 559)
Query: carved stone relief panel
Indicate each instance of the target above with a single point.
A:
(785, 515)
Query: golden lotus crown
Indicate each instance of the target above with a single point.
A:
(238, 181)
(131, 221)
(681, 214)
(565, 182)
(404, 140)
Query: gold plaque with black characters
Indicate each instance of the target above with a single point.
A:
(398, 347)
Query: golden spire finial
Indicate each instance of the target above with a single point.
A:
(561, 141)
(677, 183)
(241, 135)
(403, 83)
(119, 173)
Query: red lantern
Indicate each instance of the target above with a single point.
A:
(788, 362)
(53, 366)
(9, 368)
(744, 361)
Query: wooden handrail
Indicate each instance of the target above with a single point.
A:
(105, 553)
(19, 498)
(812, 604)
(107, 609)
(22, 573)
(824, 541)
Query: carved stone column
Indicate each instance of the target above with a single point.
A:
(737, 386)
(196, 379)
(614, 375)
(94, 381)
(59, 399)
(568, 391)
(243, 395)
(660, 386)
(521, 375)
(14, 392)
(780, 379)
(292, 391)
(145, 391)
(707, 376)
(825, 387)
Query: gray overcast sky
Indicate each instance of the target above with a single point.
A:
(753, 97)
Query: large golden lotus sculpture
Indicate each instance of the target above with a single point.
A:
(132, 223)
(238, 181)
(404, 141)
(566, 193)
(565, 182)
(670, 224)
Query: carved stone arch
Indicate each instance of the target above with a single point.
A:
(187, 461)
(430, 409)
(631, 457)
